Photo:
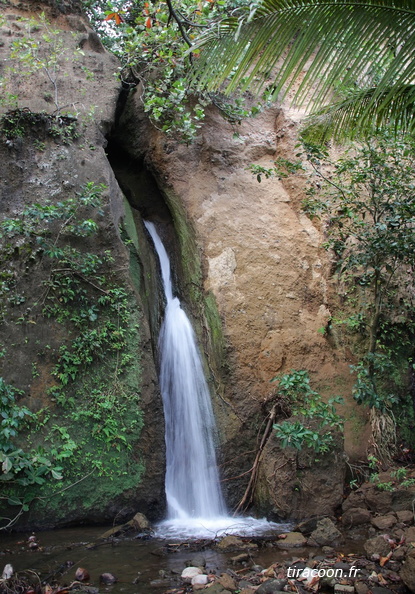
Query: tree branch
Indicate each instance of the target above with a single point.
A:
(175, 16)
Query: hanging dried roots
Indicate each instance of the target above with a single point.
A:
(383, 427)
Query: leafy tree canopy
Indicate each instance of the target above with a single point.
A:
(152, 40)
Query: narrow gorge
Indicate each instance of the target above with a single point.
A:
(247, 263)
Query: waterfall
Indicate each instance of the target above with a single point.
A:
(192, 480)
(195, 505)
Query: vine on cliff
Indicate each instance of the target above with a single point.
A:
(94, 402)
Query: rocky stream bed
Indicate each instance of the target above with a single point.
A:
(369, 549)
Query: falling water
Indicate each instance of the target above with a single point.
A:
(195, 505)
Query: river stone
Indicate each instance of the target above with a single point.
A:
(326, 532)
(355, 516)
(384, 522)
(292, 540)
(189, 573)
(227, 581)
(232, 543)
(356, 499)
(108, 578)
(379, 501)
(399, 554)
(245, 585)
(140, 522)
(361, 587)
(307, 526)
(405, 516)
(343, 589)
(200, 580)
(403, 498)
(198, 561)
(376, 546)
(217, 588)
(409, 534)
(407, 573)
(270, 586)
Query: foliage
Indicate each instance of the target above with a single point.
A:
(398, 478)
(315, 420)
(367, 203)
(369, 206)
(152, 41)
(20, 467)
(363, 49)
(281, 168)
(374, 382)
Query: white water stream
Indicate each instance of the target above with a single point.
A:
(195, 506)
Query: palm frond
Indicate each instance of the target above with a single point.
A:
(314, 44)
(365, 112)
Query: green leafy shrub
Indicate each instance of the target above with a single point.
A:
(314, 420)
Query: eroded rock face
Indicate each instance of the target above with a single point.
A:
(250, 266)
(262, 262)
(39, 164)
(296, 485)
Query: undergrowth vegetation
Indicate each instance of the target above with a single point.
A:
(313, 423)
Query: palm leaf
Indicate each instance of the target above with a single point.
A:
(314, 44)
(366, 111)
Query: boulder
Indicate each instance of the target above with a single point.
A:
(189, 573)
(405, 516)
(356, 516)
(384, 522)
(140, 523)
(292, 540)
(409, 535)
(407, 573)
(356, 499)
(326, 532)
(378, 501)
(402, 498)
(376, 546)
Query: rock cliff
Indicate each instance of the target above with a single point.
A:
(248, 263)
(75, 336)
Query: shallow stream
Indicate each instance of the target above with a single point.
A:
(141, 566)
(154, 565)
